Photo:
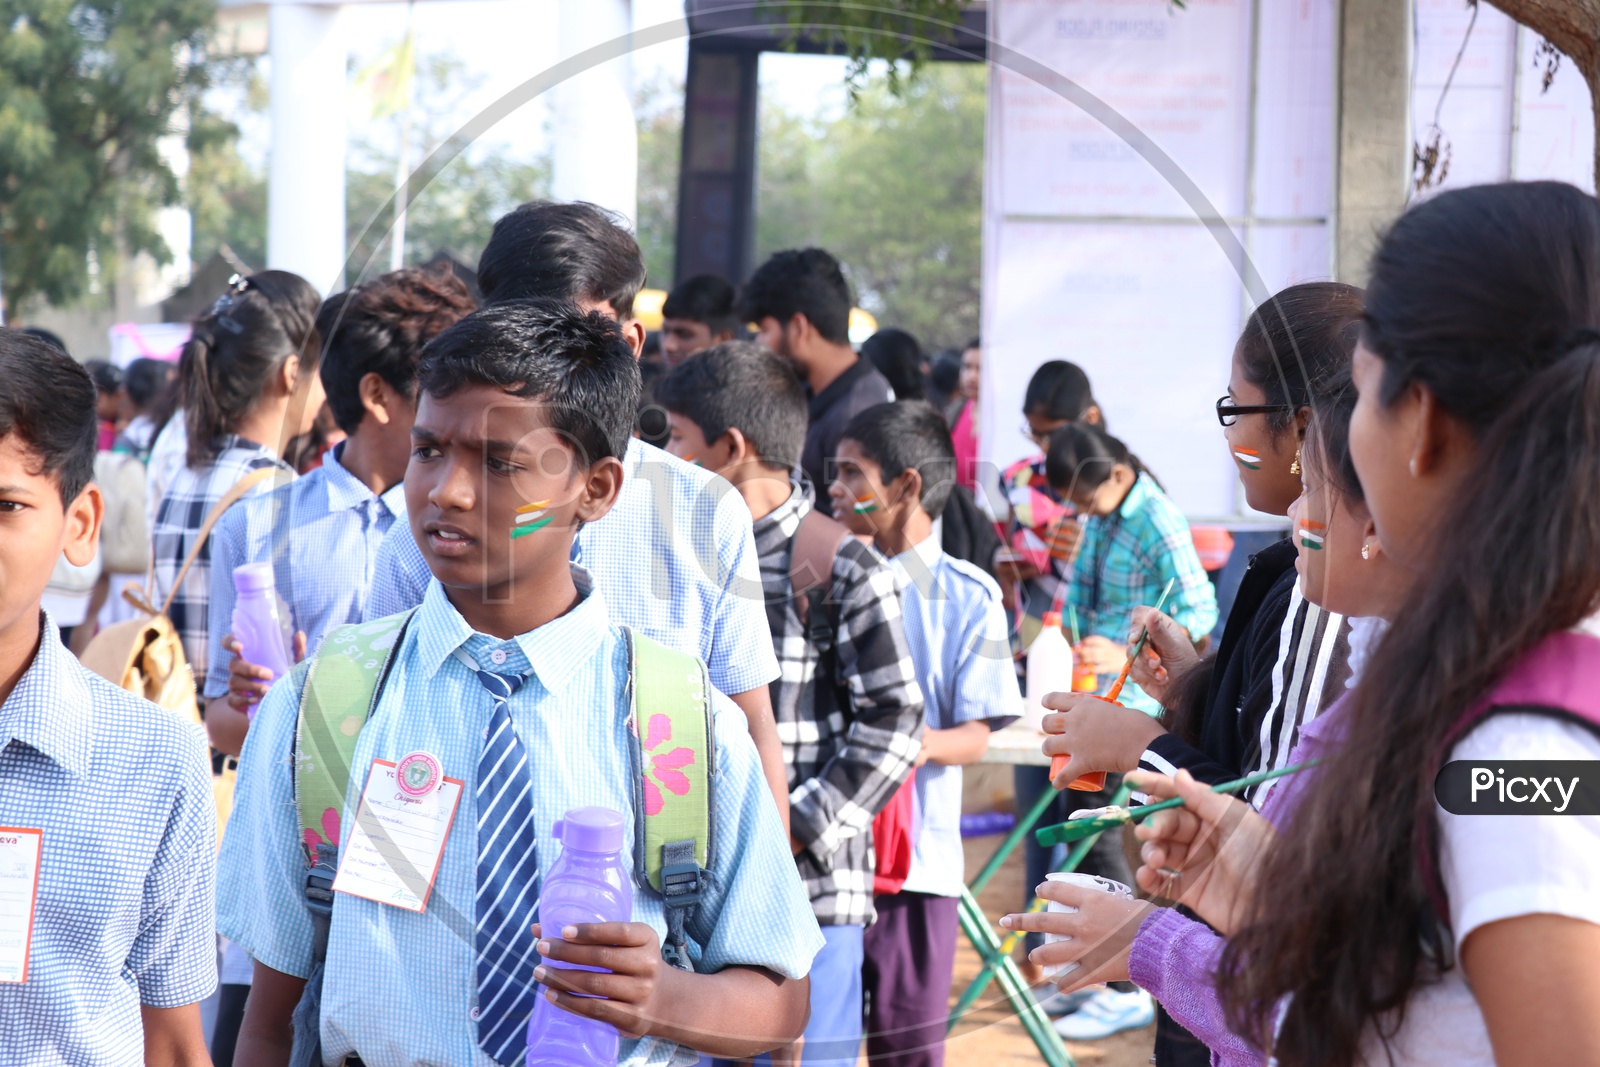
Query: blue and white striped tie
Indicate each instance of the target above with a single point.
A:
(508, 876)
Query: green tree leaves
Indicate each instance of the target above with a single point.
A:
(894, 189)
(87, 90)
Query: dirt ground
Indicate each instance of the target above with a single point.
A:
(991, 1036)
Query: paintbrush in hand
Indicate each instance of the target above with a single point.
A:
(1107, 818)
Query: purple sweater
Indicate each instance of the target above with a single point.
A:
(1175, 958)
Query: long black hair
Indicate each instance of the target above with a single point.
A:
(235, 349)
(1488, 297)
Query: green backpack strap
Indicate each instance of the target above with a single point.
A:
(341, 687)
(335, 701)
(674, 774)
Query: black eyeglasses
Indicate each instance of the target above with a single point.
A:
(1228, 412)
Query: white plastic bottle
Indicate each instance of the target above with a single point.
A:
(1049, 668)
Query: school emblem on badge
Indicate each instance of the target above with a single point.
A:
(418, 774)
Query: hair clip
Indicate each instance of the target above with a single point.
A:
(237, 284)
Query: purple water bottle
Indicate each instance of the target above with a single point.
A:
(588, 883)
(258, 620)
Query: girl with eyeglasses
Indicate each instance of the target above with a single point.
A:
(1281, 658)
(1382, 920)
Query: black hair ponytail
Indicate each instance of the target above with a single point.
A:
(235, 349)
(1080, 456)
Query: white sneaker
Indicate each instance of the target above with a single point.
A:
(1108, 1012)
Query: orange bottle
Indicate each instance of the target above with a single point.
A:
(1086, 681)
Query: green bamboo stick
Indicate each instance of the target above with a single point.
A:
(1075, 829)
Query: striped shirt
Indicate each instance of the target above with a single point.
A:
(400, 988)
(179, 517)
(1313, 651)
(849, 719)
(674, 556)
(321, 533)
(125, 906)
(1125, 560)
(1282, 661)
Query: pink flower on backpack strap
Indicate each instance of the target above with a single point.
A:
(329, 835)
(664, 766)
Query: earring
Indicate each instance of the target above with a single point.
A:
(1294, 468)
(1366, 550)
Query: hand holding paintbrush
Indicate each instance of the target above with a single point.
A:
(1202, 847)
(1095, 780)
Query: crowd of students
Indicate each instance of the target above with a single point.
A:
(773, 643)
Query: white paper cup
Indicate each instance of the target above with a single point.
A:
(1087, 881)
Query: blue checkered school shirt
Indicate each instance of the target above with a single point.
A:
(960, 641)
(321, 533)
(179, 516)
(1125, 560)
(400, 987)
(675, 558)
(126, 904)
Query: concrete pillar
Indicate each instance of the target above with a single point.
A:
(305, 183)
(596, 141)
(1374, 175)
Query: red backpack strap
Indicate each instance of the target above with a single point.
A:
(1558, 677)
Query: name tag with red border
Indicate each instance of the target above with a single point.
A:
(392, 854)
(20, 849)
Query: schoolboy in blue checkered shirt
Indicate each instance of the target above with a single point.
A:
(105, 957)
(526, 404)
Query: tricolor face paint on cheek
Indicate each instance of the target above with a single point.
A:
(1312, 534)
(864, 505)
(1248, 458)
(531, 517)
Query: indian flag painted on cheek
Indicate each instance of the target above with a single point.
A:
(1312, 534)
(864, 505)
(531, 517)
(1248, 458)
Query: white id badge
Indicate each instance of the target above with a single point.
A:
(20, 850)
(392, 854)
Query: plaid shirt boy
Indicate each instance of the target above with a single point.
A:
(850, 741)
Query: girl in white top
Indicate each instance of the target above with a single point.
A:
(1378, 927)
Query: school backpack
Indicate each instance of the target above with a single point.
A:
(669, 698)
(145, 656)
(816, 542)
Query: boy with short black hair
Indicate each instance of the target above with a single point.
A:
(697, 314)
(896, 469)
(510, 685)
(675, 556)
(848, 707)
(111, 827)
